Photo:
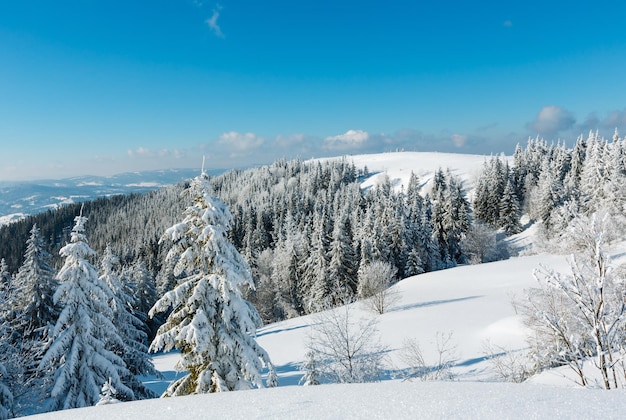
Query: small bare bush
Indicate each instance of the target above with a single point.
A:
(346, 349)
(375, 286)
(441, 369)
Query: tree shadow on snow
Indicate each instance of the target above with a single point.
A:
(261, 334)
(431, 303)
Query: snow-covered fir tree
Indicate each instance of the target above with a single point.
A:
(6, 397)
(107, 394)
(509, 218)
(210, 323)
(79, 357)
(134, 349)
(6, 280)
(141, 287)
(34, 287)
(311, 370)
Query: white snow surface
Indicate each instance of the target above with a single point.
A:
(391, 400)
(472, 302)
(399, 165)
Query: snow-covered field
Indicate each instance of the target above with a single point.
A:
(472, 303)
(399, 165)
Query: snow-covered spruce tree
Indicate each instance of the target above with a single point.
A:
(310, 366)
(510, 211)
(6, 398)
(134, 351)
(107, 395)
(581, 317)
(7, 353)
(34, 286)
(142, 289)
(6, 280)
(79, 357)
(210, 323)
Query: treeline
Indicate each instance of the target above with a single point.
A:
(553, 184)
(305, 228)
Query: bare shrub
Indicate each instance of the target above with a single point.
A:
(441, 369)
(346, 349)
(375, 286)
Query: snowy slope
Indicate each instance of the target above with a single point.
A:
(399, 165)
(473, 302)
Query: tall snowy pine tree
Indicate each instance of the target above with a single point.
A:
(34, 287)
(210, 323)
(79, 356)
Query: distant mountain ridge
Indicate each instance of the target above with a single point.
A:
(19, 199)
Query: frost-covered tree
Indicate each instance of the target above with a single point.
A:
(375, 286)
(35, 285)
(141, 287)
(8, 352)
(580, 316)
(347, 347)
(310, 366)
(480, 244)
(6, 281)
(342, 265)
(509, 211)
(107, 394)
(210, 323)
(79, 357)
(134, 349)
(317, 283)
(6, 397)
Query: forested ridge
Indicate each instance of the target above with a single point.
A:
(308, 232)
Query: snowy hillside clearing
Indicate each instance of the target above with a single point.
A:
(399, 165)
(472, 302)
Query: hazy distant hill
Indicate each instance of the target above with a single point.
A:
(18, 199)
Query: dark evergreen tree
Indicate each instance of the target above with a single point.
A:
(510, 211)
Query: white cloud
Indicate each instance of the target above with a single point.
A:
(459, 140)
(147, 153)
(290, 140)
(212, 22)
(351, 138)
(240, 144)
(615, 119)
(552, 119)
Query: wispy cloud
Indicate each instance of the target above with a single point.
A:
(212, 22)
(239, 144)
(613, 120)
(507, 24)
(350, 139)
(459, 140)
(551, 120)
(147, 153)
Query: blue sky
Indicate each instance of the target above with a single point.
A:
(102, 87)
